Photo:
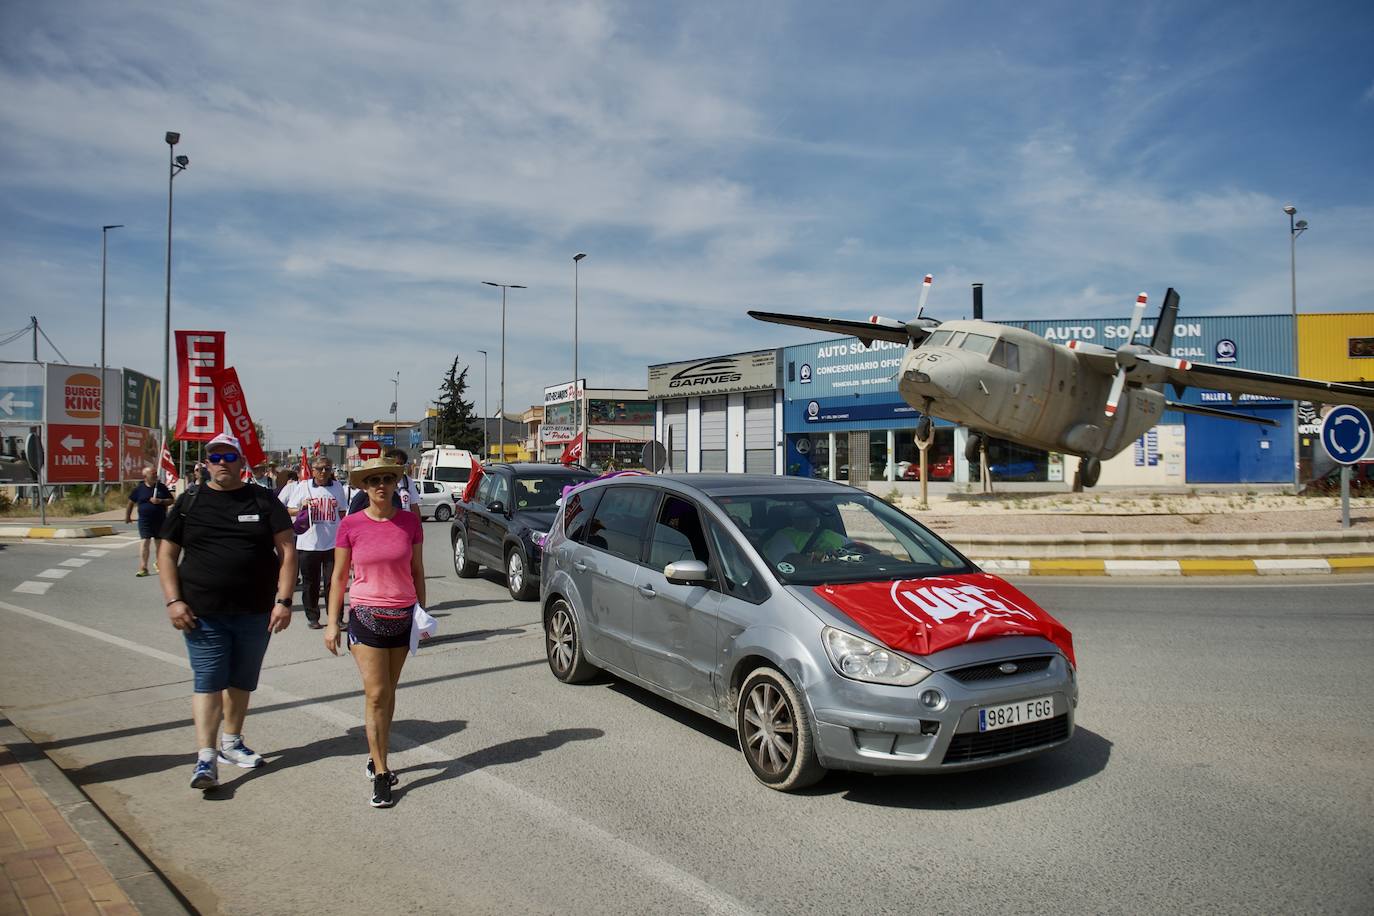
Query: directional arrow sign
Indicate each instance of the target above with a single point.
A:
(1346, 434)
(74, 453)
(23, 403)
(72, 444)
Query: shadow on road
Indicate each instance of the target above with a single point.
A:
(454, 605)
(683, 716)
(1084, 756)
(471, 636)
(497, 754)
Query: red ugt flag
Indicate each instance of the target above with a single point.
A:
(169, 468)
(235, 409)
(573, 453)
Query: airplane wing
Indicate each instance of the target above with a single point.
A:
(863, 330)
(1181, 372)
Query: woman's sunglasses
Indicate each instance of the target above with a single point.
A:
(226, 457)
(375, 481)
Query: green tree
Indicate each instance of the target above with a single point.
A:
(456, 423)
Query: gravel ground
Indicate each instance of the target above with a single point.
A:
(1089, 513)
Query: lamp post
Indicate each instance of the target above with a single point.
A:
(395, 396)
(486, 418)
(1295, 229)
(100, 473)
(577, 402)
(501, 406)
(175, 165)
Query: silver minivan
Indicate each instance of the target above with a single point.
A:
(829, 629)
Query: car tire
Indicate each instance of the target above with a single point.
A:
(518, 576)
(464, 567)
(442, 513)
(563, 644)
(770, 710)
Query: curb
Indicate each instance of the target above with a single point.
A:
(94, 531)
(1220, 566)
(141, 882)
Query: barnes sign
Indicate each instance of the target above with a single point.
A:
(720, 375)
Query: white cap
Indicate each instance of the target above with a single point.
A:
(225, 439)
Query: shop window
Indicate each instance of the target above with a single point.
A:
(940, 458)
(1008, 461)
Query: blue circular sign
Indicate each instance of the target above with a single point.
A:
(1346, 434)
(1226, 350)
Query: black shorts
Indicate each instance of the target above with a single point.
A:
(380, 627)
(149, 528)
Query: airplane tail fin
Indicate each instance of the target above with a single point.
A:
(1163, 340)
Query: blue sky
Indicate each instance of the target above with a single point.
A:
(355, 174)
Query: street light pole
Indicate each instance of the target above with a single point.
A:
(486, 417)
(1295, 229)
(501, 407)
(395, 396)
(175, 164)
(577, 402)
(100, 473)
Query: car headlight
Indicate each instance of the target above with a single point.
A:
(862, 660)
(538, 538)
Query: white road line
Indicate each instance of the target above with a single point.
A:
(710, 898)
(1139, 567)
(1288, 567)
(54, 573)
(33, 588)
(94, 553)
(74, 562)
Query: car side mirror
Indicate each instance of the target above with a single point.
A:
(687, 572)
(496, 506)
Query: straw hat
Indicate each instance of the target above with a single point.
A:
(372, 467)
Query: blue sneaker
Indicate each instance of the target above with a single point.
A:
(239, 755)
(206, 776)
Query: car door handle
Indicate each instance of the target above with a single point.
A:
(579, 566)
(648, 591)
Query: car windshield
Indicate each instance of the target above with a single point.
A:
(838, 537)
(540, 493)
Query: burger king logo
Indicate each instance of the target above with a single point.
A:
(81, 396)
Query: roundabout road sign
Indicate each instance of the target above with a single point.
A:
(1346, 434)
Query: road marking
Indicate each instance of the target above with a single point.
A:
(33, 588)
(1290, 567)
(1141, 567)
(711, 899)
(94, 553)
(74, 562)
(54, 573)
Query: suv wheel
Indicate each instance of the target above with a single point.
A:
(563, 645)
(461, 564)
(518, 577)
(442, 513)
(775, 732)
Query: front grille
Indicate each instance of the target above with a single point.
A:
(990, 672)
(978, 745)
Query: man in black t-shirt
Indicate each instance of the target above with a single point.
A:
(236, 551)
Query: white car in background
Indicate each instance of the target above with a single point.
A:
(436, 499)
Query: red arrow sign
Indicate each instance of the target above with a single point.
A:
(74, 453)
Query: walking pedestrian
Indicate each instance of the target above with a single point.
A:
(227, 550)
(407, 495)
(322, 500)
(151, 497)
(383, 547)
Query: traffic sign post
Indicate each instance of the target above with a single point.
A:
(1346, 436)
(369, 448)
(33, 454)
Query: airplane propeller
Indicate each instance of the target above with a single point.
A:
(1125, 360)
(918, 326)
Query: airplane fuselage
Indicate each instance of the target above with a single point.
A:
(1012, 384)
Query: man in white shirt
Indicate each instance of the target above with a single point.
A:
(322, 497)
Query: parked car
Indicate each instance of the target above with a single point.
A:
(507, 518)
(437, 498)
(829, 629)
(1329, 484)
(1013, 469)
(941, 468)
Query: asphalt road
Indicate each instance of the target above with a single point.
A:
(1221, 764)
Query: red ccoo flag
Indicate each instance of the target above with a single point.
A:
(573, 453)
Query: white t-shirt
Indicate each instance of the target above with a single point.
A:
(410, 496)
(326, 506)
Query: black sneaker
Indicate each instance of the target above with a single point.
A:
(372, 773)
(381, 790)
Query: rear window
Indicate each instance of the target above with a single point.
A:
(451, 474)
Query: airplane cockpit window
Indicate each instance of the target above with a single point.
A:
(978, 343)
(938, 338)
(957, 340)
(1007, 355)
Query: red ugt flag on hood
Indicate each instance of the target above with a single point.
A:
(923, 616)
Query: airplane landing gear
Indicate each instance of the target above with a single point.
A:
(973, 447)
(923, 428)
(1089, 471)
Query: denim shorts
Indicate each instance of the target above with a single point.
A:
(228, 651)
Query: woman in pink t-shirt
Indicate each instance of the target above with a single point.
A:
(382, 546)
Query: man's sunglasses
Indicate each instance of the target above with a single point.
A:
(226, 457)
(376, 481)
(322, 469)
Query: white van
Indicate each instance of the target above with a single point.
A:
(446, 464)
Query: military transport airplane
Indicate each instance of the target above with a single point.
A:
(1076, 398)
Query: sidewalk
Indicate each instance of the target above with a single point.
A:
(59, 854)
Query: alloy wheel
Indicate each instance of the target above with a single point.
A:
(769, 729)
(561, 639)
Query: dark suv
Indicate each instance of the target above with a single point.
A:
(502, 525)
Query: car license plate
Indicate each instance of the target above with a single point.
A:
(991, 718)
